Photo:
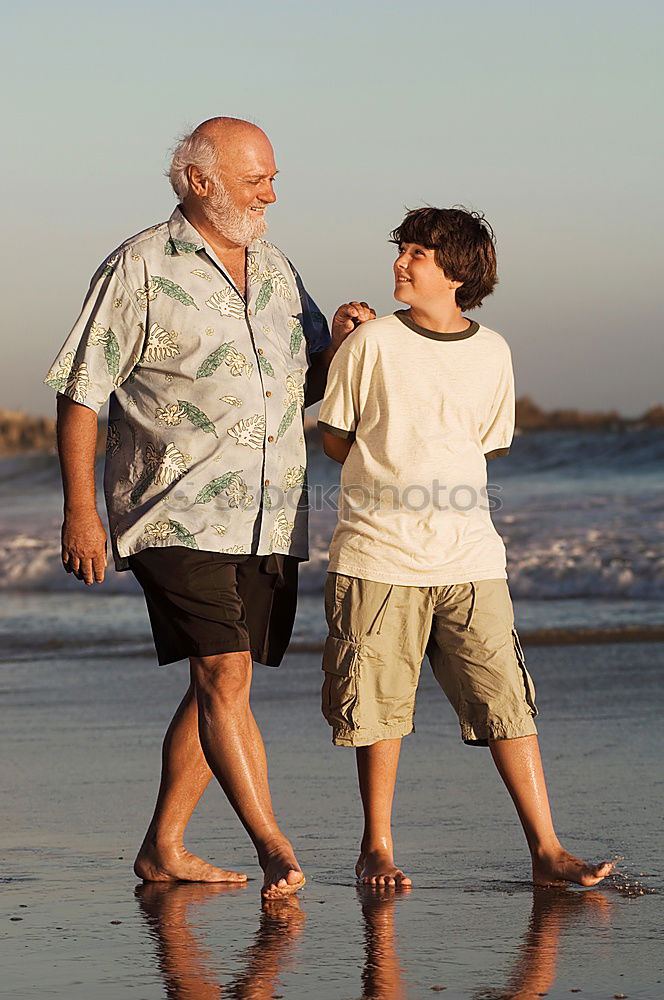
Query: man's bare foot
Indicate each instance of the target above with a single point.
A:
(175, 864)
(283, 875)
(378, 868)
(284, 914)
(559, 867)
(169, 901)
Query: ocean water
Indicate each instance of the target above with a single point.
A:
(582, 515)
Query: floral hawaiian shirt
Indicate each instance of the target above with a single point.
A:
(205, 444)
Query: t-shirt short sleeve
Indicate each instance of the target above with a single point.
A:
(498, 429)
(104, 345)
(314, 325)
(340, 409)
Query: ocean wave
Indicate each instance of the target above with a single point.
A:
(31, 563)
(596, 565)
(594, 531)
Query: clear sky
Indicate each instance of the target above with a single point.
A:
(545, 116)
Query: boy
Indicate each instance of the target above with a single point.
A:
(416, 402)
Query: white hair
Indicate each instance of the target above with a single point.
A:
(193, 150)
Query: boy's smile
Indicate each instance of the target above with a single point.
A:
(421, 284)
(417, 276)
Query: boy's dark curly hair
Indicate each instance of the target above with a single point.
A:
(464, 245)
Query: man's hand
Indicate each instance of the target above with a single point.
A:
(84, 545)
(347, 318)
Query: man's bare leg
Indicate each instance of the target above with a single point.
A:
(520, 766)
(186, 966)
(282, 922)
(184, 777)
(234, 750)
(377, 773)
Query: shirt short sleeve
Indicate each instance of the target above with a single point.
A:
(104, 345)
(340, 409)
(498, 429)
(314, 324)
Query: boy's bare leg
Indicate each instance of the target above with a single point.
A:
(377, 774)
(520, 766)
(382, 977)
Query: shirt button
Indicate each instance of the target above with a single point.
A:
(270, 439)
(268, 393)
(267, 482)
(250, 312)
(261, 351)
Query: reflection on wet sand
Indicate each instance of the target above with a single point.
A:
(281, 922)
(186, 967)
(554, 909)
(534, 971)
(382, 977)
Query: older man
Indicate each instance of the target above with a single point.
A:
(207, 344)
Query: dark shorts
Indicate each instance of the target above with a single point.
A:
(205, 603)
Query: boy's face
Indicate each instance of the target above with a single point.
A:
(417, 277)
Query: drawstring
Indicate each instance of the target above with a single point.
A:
(472, 607)
(380, 614)
(517, 646)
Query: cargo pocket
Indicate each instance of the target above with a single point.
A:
(529, 687)
(341, 663)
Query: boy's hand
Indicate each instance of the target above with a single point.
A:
(347, 318)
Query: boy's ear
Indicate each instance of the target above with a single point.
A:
(454, 284)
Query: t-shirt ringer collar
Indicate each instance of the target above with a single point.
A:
(434, 334)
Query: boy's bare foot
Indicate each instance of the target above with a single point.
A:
(283, 875)
(559, 867)
(378, 868)
(175, 864)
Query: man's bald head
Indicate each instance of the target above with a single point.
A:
(224, 130)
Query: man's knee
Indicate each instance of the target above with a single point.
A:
(226, 676)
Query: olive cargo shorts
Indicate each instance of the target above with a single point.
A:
(378, 635)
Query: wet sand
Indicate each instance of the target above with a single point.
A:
(80, 746)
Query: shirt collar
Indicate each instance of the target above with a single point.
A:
(183, 237)
(470, 331)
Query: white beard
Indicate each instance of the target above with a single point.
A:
(240, 226)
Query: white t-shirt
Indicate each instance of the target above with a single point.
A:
(424, 411)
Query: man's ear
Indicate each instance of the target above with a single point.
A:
(199, 184)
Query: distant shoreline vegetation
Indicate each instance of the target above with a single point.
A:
(19, 432)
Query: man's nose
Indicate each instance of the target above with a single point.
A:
(267, 194)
